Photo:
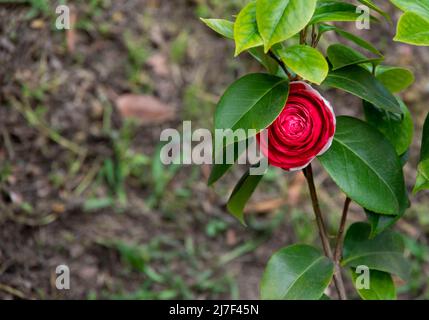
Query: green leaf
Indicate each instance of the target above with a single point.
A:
(269, 63)
(241, 194)
(374, 7)
(252, 102)
(379, 222)
(420, 7)
(349, 36)
(422, 182)
(399, 131)
(413, 29)
(219, 169)
(278, 20)
(361, 83)
(297, 272)
(365, 166)
(384, 253)
(305, 61)
(246, 33)
(221, 26)
(331, 11)
(405, 157)
(394, 78)
(342, 56)
(381, 285)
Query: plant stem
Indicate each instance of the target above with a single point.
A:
(303, 36)
(281, 64)
(308, 172)
(314, 36)
(338, 281)
(340, 237)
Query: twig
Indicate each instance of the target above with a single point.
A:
(314, 36)
(303, 36)
(338, 281)
(340, 238)
(281, 64)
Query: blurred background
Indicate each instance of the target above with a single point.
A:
(81, 182)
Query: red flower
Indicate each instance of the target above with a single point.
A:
(304, 129)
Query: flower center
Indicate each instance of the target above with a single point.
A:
(294, 126)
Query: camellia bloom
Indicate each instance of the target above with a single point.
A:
(303, 130)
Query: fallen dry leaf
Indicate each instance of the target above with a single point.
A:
(153, 4)
(58, 207)
(231, 238)
(159, 64)
(265, 205)
(37, 24)
(118, 16)
(145, 109)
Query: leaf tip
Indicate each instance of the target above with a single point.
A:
(211, 181)
(239, 215)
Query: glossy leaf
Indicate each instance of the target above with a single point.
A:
(279, 20)
(351, 37)
(405, 157)
(241, 194)
(219, 169)
(384, 252)
(422, 182)
(252, 102)
(420, 7)
(365, 166)
(306, 62)
(361, 83)
(399, 131)
(381, 286)
(394, 78)
(246, 33)
(221, 26)
(226, 29)
(342, 56)
(413, 29)
(331, 11)
(269, 63)
(297, 272)
(380, 222)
